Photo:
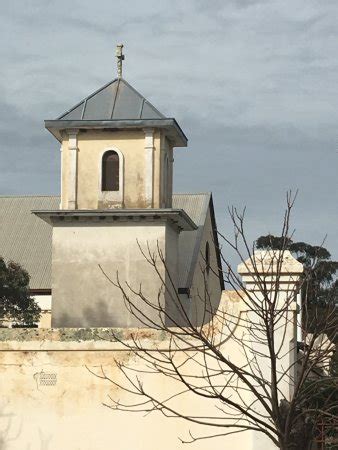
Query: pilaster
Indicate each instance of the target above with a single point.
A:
(149, 166)
(61, 177)
(72, 176)
(272, 282)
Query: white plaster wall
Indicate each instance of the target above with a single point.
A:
(70, 415)
(131, 144)
(281, 268)
(211, 282)
(44, 301)
(284, 338)
(82, 295)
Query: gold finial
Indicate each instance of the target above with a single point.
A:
(120, 58)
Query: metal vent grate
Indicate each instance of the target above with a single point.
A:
(47, 379)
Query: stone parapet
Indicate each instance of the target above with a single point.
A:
(271, 270)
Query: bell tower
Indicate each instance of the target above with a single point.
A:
(116, 150)
(116, 200)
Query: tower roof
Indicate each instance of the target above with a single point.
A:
(117, 105)
(117, 100)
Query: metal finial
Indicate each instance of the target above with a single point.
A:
(120, 58)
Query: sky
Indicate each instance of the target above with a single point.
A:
(253, 84)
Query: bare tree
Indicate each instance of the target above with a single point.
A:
(276, 386)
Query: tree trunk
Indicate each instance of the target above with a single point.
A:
(291, 444)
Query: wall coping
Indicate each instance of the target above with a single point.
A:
(81, 339)
(267, 261)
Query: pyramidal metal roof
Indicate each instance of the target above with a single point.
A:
(117, 105)
(117, 100)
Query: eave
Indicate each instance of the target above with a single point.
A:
(176, 217)
(170, 126)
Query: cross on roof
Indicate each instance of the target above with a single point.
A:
(120, 58)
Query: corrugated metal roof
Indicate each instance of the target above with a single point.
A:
(117, 100)
(196, 206)
(27, 240)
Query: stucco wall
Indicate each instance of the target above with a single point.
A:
(45, 303)
(166, 173)
(172, 303)
(82, 295)
(205, 288)
(51, 400)
(131, 144)
(70, 415)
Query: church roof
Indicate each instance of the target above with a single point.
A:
(117, 100)
(27, 240)
(117, 105)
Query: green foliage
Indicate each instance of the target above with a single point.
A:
(320, 272)
(16, 304)
(320, 300)
(271, 242)
(324, 397)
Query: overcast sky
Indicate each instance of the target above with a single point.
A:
(254, 85)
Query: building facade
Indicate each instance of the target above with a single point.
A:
(116, 211)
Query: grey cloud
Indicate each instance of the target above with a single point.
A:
(253, 84)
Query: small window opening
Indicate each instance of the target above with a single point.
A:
(207, 258)
(110, 171)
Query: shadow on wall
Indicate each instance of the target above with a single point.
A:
(200, 308)
(11, 429)
(130, 306)
(95, 316)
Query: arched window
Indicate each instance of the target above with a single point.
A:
(207, 258)
(110, 171)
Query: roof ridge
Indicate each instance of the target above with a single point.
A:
(143, 97)
(192, 193)
(86, 98)
(29, 196)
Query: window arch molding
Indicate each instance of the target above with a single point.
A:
(113, 196)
